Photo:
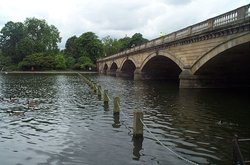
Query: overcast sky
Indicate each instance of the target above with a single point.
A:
(116, 18)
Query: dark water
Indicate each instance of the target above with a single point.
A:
(71, 127)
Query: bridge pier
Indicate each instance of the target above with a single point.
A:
(188, 80)
(111, 72)
(118, 73)
(138, 74)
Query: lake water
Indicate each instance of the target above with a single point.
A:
(71, 125)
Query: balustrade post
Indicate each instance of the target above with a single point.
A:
(210, 23)
(174, 36)
(189, 31)
(241, 13)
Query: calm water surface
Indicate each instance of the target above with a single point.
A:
(72, 127)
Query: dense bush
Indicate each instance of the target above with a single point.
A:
(60, 62)
(37, 61)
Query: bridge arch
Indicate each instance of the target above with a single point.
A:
(227, 65)
(162, 53)
(161, 65)
(113, 68)
(128, 68)
(218, 50)
(126, 59)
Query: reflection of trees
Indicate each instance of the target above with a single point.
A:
(27, 85)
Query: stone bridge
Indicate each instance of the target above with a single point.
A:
(212, 53)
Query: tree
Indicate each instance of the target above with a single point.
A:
(70, 61)
(44, 37)
(125, 43)
(11, 35)
(37, 61)
(137, 39)
(4, 61)
(85, 63)
(89, 45)
(71, 47)
(18, 40)
(111, 46)
(60, 62)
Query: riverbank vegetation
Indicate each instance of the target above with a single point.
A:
(33, 45)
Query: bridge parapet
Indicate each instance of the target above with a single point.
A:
(230, 18)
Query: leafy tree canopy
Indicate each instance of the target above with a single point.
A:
(113, 46)
(17, 40)
(86, 45)
(71, 47)
(60, 62)
(89, 45)
(37, 61)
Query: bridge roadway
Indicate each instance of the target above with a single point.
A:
(212, 53)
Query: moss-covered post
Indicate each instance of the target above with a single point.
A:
(95, 88)
(116, 109)
(105, 97)
(137, 124)
(99, 91)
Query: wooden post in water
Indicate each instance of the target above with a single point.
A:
(92, 84)
(116, 110)
(95, 88)
(105, 97)
(137, 125)
(105, 100)
(99, 91)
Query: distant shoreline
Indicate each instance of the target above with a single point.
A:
(47, 72)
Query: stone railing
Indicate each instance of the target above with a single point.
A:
(223, 20)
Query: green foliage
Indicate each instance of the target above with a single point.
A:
(89, 45)
(4, 61)
(33, 45)
(71, 48)
(111, 46)
(137, 39)
(37, 61)
(84, 49)
(45, 37)
(70, 61)
(76, 66)
(60, 62)
(11, 35)
(17, 40)
(85, 63)
(125, 43)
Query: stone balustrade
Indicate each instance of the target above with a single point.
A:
(223, 20)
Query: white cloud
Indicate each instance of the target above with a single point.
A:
(116, 18)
